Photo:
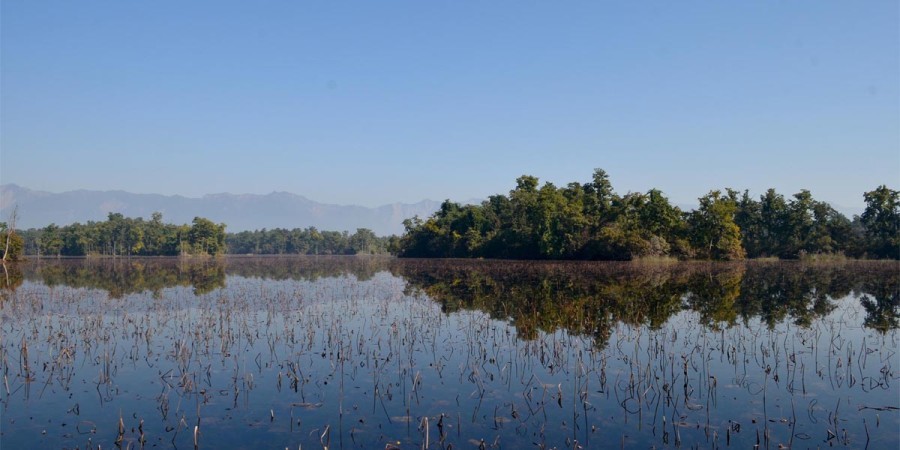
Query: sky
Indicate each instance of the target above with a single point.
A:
(378, 102)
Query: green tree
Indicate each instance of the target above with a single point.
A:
(154, 239)
(114, 231)
(773, 225)
(748, 217)
(591, 221)
(714, 233)
(831, 231)
(523, 234)
(599, 196)
(625, 238)
(663, 226)
(133, 237)
(363, 241)
(13, 244)
(206, 237)
(881, 220)
(51, 240)
(799, 225)
(316, 240)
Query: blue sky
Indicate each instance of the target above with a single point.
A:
(376, 102)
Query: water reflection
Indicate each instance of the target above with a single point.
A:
(344, 352)
(582, 298)
(120, 277)
(307, 268)
(592, 298)
(11, 278)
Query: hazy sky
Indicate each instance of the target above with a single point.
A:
(375, 102)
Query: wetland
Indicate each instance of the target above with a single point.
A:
(379, 352)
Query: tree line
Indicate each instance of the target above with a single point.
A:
(590, 221)
(587, 221)
(125, 236)
(308, 241)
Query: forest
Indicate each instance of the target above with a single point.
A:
(587, 221)
(125, 236)
(591, 222)
(308, 241)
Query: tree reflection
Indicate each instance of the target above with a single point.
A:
(307, 268)
(590, 299)
(11, 278)
(881, 300)
(121, 277)
(585, 298)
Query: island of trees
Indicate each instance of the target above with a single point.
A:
(587, 221)
(591, 222)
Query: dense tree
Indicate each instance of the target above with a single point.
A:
(659, 218)
(156, 239)
(124, 236)
(363, 241)
(774, 224)
(591, 221)
(526, 225)
(748, 218)
(306, 241)
(881, 220)
(599, 197)
(799, 225)
(51, 243)
(534, 221)
(714, 233)
(831, 231)
(206, 237)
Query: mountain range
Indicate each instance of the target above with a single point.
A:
(239, 211)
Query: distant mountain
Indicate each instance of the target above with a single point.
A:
(239, 211)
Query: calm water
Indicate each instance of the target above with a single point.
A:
(372, 352)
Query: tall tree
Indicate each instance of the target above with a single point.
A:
(713, 230)
(748, 217)
(207, 237)
(773, 225)
(831, 231)
(51, 240)
(363, 241)
(882, 222)
(799, 225)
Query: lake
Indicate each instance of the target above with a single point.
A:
(371, 352)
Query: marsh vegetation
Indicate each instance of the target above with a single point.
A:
(371, 352)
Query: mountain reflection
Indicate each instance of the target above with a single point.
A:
(580, 297)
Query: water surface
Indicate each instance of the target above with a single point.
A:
(349, 352)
